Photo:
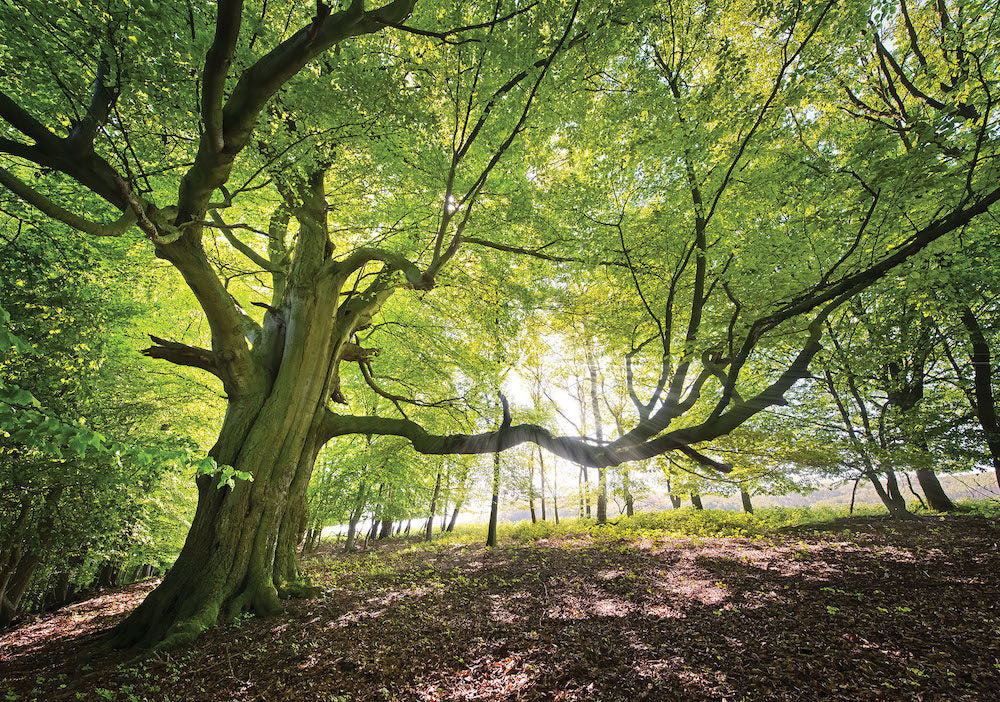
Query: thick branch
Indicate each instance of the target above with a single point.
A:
(359, 257)
(217, 60)
(258, 83)
(181, 354)
(102, 100)
(48, 207)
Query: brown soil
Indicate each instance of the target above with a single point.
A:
(865, 609)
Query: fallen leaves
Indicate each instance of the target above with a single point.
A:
(814, 614)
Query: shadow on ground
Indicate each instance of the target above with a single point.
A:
(859, 610)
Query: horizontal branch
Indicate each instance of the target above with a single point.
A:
(535, 253)
(572, 449)
(181, 354)
(486, 442)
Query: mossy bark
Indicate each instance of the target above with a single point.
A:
(240, 551)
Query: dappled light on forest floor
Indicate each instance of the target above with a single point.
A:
(860, 611)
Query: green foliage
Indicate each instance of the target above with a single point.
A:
(686, 522)
(81, 464)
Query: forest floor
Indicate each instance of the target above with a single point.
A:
(860, 609)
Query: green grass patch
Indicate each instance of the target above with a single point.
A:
(687, 522)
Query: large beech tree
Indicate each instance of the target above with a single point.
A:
(245, 125)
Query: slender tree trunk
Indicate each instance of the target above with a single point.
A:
(10, 598)
(460, 496)
(531, 486)
(12, 548)
(982, 370)
(491, 534)
(696, 501)
(21, 564)
(359, 509)
(409, 523)
(627, 490)
(541, 479)
(909, 484)
(854, 492)
(434, 498)
(747, 505)
(602, 473)
(454, 517)
(555, 491)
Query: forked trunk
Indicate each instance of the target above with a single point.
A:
(240, 551)
(890, 495)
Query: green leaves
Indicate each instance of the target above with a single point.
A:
(227, 474)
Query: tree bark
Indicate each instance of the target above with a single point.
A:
(531, 485)
(10, 598)
(982, 370)
(491, 534)
(937, 498)
(359, 509)
(20, 564)
(541, 478)
(889, 494)
(386, 530)
(430, 518)
(627, 490)
(454, 517)
(602, 472)
(555, 488)
(235, 557)
(696, 501)
(747, 504)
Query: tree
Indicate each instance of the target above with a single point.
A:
(423, 117)
(84, 449)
